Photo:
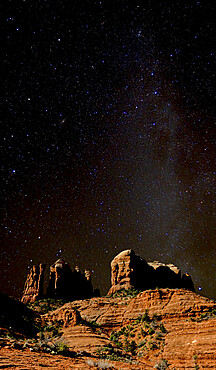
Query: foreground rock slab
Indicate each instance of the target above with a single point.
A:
(26, 360)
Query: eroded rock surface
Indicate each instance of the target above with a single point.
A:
(33, 288)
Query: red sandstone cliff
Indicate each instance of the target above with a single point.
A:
(63, 283)
(33, 288)
(129, 270)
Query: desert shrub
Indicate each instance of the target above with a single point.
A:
(104, 364)
(60, 347)
(162, 365)
(205, 316)
(11, 335)
(162, 328)
(143, 332)
(123, 330)
(114, 336)
(91, 324)
(146, 317)
(43, 344)
(132, 335)
(156, 317)
(196, 366)
(54, 347)
(125, 293)
(141, 343)
(114, 354)
(130, 346)
(53, 329)
(140, 354)
(151, 331)
(26, 343)
(47, 304)
(152, 345)
(159, 336)
(154, 324)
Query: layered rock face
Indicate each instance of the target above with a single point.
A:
(189, 320)
(166, 326)
(63, 283)
(131, 271)
(33, 288)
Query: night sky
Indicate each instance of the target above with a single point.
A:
(108, 140)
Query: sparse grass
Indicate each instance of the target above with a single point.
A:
(162, 328)
(101, 364)
(115, 354)
(91, 324)
(43, 306)
(52, 329)
(125, 293)
(211, 314)
(60, 347)
(162, 365)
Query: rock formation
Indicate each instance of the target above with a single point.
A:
(128, 270)
(131, 271)
(33, 288)
(63, 283)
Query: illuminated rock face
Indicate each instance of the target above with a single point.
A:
(128, 270)
(63, 283)
(33, 288)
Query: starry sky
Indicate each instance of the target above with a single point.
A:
(108, 140)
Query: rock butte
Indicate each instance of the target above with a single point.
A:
(33, 288)
(63, 283)
(128, 270)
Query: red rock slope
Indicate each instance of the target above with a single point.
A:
(177, 332)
